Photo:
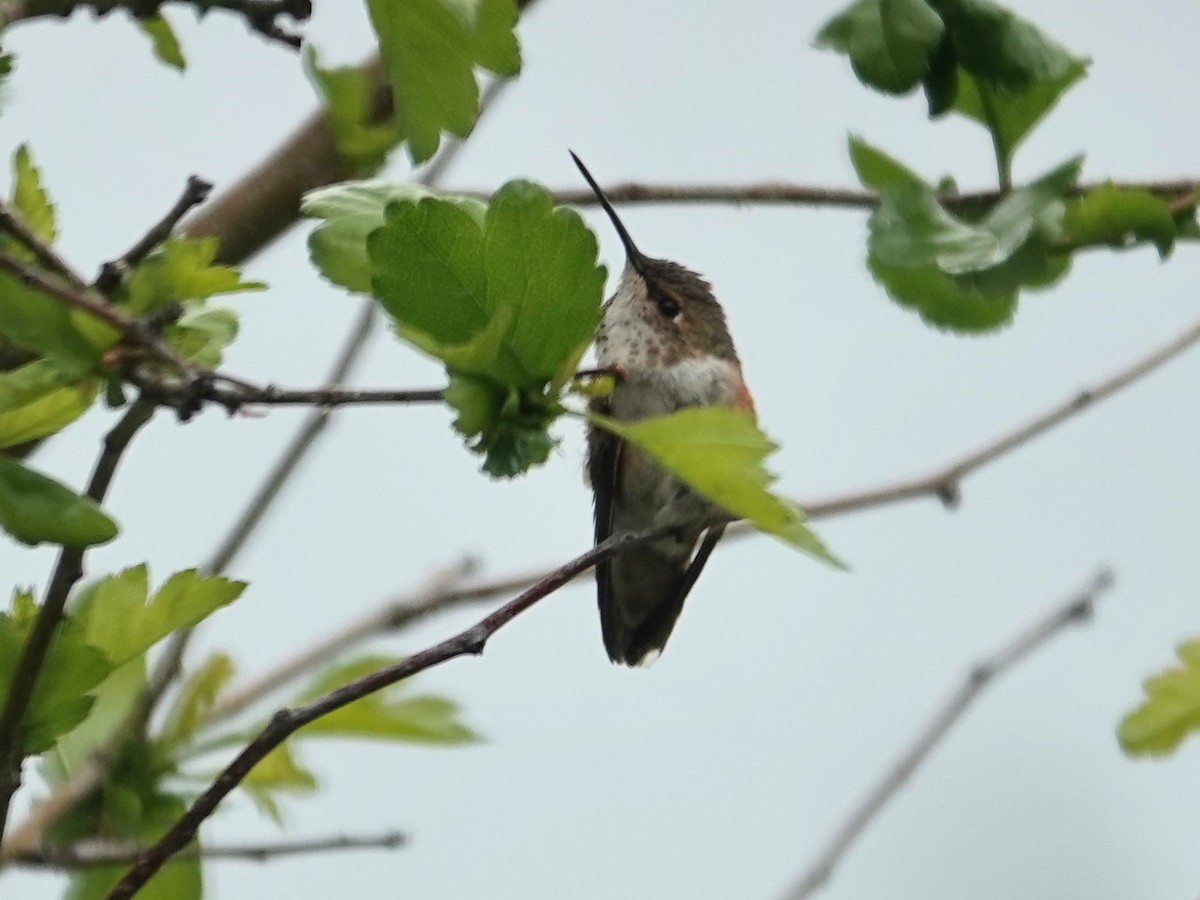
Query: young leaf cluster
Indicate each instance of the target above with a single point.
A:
(59, 357)
(506, 296)
(964, 268)
(972, 57)
(88, 696)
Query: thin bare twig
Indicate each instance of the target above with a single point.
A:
(787, 193)
(1078, 609)
(67, 571)
(133, 331)
(195, 192)
(235, 396)
(286, 722)
(324, 396)
(42, 251)
(89, 854)
(944, 483)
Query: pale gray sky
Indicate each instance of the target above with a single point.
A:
(787, 687)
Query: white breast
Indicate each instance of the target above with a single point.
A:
(706, 381)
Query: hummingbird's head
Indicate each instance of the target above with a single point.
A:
(665, 310)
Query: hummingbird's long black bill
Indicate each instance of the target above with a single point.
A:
(635, 255)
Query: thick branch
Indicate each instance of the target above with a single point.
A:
(1078, 609)
(88, 855)
(67, 571)
(287, 721)
(265, 202)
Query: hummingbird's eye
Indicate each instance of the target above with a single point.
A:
(668, 307)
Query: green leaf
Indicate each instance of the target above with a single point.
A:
(195, 700)
(23, 609)
(30, 200)
(28, 318)
(512, 302)
(942, 301)
(889, 42)
(876, 169)
(910, 227)
(121, 621)
(541, 260)
(528, 273)
(430, 49)
(385, 715)
(1112, 216)
(1171, 710)
(351, 211)
(35, 509)
(277, 772)
(162, 38)
(180, 269)
(60, 701)
(179, 879)
(965, 275)
(38, 399)
(719, 451)
(1019, 214)
(202, 333)
(941, 78)
(507, 425)
(1001, 49)
(1037, 264)
(1013, 115)
(137, 811)
(45, 326)
(972, 56)
(115, 698)
(346, 93)
(1010, 74)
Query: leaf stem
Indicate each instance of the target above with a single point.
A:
(999, 146)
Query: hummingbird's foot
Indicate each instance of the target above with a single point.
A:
(616, 371)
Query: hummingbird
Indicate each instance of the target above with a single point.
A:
(664, 338)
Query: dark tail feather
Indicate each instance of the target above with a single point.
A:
(638, 613)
